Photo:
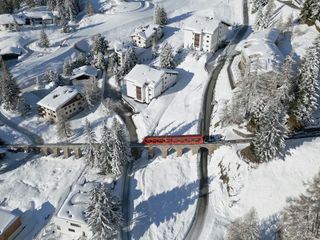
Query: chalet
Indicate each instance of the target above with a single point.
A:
(10, 53)
(62, 103)
(39, 16)
(7, 22)
(260, 53)
(204, 33)
(10, 225)
(83, 75)
(143, 36)
(70, 219)
(143, 83)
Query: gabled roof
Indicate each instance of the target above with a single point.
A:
(6, 219)
(59, 96)
(6, 19)
(10, 50)
(84, 70)
(147, 31)
(201, 24)
(260, 48)
(143, 74)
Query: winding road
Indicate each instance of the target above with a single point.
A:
(198, 222)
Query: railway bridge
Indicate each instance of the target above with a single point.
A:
(76, 149)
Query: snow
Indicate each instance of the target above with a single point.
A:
(143, 74)
(84, 70)
(260, 48)
(146, 32)
(6, 219)
(8, 135)
(202, 24)
(10, 50)
(59, 96)
(6, 19)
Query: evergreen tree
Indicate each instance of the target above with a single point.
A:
(44, 41)
(103, 214)
(160, 16)
(268, 14)
(90, 149)
(10, 90)
(246, 228)
(51, 76)
(260, 20)
(91, 92)
(67, 68)
(106, 150)
(100, 44)
(129, 61)
(301, 219)
(269, 139)
(167, 57)
(310, 11)
(89, 8)
(306, 97)
(99, 61)
(289, 84)
(64, 128)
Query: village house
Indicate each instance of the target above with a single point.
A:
(143, 83)
(83, 75)
(141, 54)
(260, 53)
(204, 33)
(7, 22)
(9, 53)
(10, 225)
(70, 219)
(143, 36)
(62, 103)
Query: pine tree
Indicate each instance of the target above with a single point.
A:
(121, 153)
(106, 150)
(246, 228)
(268, 14)
(64, 128)
(160, 16)
(129, 61)
(91, 92)
(103, 214)
(89, 8)
(51, 76)
(44, 41)
(100, 44)
(306, 97)
(310, 11)
(90, 149)
(259, 21)
(67, 68)
(288, 85)
(301, 219)
(167, 57)
(269, 139)
(99, 61)
(10, 90)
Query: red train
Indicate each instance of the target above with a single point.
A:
(176, 140)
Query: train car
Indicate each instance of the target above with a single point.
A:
(174, 140)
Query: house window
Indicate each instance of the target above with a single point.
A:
(138, 93)
(196, 40)
(75, 225)
(71, 230)
(58, 227)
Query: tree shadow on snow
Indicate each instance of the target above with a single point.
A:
(163, 207)
(180, 18)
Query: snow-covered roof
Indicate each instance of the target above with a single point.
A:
(201, 24)
(261, 50)
(20, 18)
(45, 14)
(6, 219)
(146, 31)
(76, 202)
(59, 96)
(6, 19)
(143, 74)
(11, 50)
(84, 70)
(122, 46)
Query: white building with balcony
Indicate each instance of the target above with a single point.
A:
(143, 82)
(205, 33)
(143, 36)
